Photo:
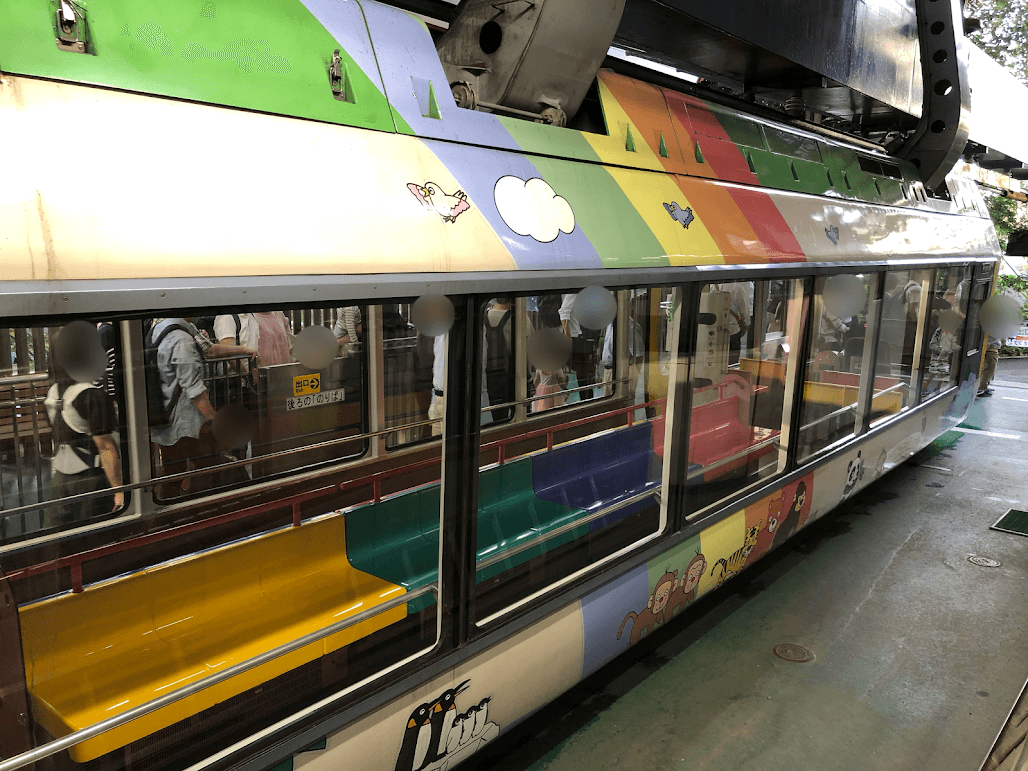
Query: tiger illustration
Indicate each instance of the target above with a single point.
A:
(735, 562)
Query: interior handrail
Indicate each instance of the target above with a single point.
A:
(528, 400)
(75, 561)
(377, 478)
(550, 430)
(83, 734)
(543, 537)
(734, 456)
(853, 406)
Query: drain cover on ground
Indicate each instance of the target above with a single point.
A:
(1014, 521)
(983, 562)
(792, 652)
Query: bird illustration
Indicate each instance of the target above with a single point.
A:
(443, 715)
(416, 737)
(683, 216)
(432, 197)
(833, 234)
(482, 715)
(455, 737)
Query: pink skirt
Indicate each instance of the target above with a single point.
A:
(547, 404)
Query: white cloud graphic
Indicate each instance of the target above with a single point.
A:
(532, 208)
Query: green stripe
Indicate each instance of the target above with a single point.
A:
(271, 56)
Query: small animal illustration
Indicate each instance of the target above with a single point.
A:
(833, 234)
(854, 473)
(680, 215)
(791, 523)
(654, 613)
(685, 588)
(883, 456)
(449, 207)
(414, 748)
(737, 560)
(774, 512)
(437, 736)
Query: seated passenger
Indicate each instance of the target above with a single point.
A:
(84, 419)
(348, 329)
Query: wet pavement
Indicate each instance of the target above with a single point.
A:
(918, 653)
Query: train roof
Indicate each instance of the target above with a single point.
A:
(320, 138)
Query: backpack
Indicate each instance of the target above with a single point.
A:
(549, 310)
(157, 412)
(60, 411)
(497, 356)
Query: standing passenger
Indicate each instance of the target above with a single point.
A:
(583, 347)
(84, 419)
(499, 378)
(266, 332)
(187, 439)
(437, 409)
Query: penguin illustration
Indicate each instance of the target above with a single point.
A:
(482, 715)
(415, 739)
(443, 714)
(455, 737)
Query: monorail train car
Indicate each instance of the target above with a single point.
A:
(343, 425)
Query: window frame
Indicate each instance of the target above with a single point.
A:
(477, 627)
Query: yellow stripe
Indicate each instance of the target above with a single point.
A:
(648, 192)
(719, 541)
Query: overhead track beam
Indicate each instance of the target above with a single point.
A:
(941, 135)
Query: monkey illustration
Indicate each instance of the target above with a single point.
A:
(654, 613)
(774, 512)
(791, 522)
(685, 589)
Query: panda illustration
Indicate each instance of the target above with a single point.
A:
(854, 473)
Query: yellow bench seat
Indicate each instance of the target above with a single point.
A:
(119, 644)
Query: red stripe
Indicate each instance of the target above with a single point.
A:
(728, 162)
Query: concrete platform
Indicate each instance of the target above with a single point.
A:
(919, 654)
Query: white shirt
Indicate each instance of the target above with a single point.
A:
(741, 292)
(568, 304)
(439, 362)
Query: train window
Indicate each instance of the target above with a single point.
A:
(870, 165)
(134, 614)
(743, 367)
(837, 358)
(575, 489)
(413, 378)
(901, 330)
(500, 320)
(578, 377)
(60, 428)
(238, 396)
(950, 296)
(793, 145)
